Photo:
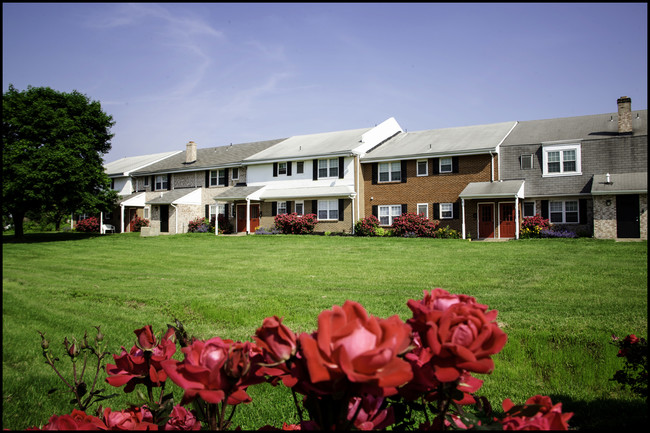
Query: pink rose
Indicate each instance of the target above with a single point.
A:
(369, 413)
(129, 419)
(363, 349)
(548, 416)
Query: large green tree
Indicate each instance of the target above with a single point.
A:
(52, 153)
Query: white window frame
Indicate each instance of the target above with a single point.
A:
(426, 209)
(301, 205)
(523, 209)
(562, 150)
(526, 157)
(331, 209)
(282, 208)
(391, 212)
(447, 162)
(426, 167)
(234, 173)
(215, 175)
(281, 170)
(389, 169)
(162, 182)
(146, 181)
(564, 212)
(145, 212)
(448, 209)
(328, 168)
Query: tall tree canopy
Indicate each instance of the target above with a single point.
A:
(52, 153)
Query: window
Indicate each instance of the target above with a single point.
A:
(563, 212)
(300, 167)
(146, 181)
(446, 210)
(526, 162)
(388, 213)
(529, 209)
(235, 173)
(328, 209)
(328, 167)
(216, 209)
(218, 177)
(300, 208)
(282, 168)
(146, 213)
(282, 207)
(390, 171)
(423, 167)
(562, 160)
(161, 181)
(446, 165)
(423, 208)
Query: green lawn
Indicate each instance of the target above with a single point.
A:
(559, 301)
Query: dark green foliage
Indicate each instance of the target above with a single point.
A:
(52, 148)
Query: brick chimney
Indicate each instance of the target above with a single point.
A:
(190, 152)
(624, 115)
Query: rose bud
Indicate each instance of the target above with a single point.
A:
(146, 338)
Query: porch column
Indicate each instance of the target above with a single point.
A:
(216, 219)
(248, 215)
(516, 217)
(101, 223)
(121, 218)
(462, 202)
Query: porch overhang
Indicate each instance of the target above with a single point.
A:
(622, 183)
(233, 193)
(498, 189)
(134, 200)
(177, 196)
(308, 192)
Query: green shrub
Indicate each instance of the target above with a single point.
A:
(367, 226)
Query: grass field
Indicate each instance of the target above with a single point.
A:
(559, 301)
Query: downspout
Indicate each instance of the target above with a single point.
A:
(491, 167)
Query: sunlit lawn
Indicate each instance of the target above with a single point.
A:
(559, 301)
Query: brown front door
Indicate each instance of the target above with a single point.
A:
(486, 220)
(255, 217)
(241, 218)
(507, 226)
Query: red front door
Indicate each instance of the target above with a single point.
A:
(241, 217)
(507, 226)
(486, 220)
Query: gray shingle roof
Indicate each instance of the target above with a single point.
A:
(211, 157)
(620, 183)
(595, 126)
(506, 188)
(167, 197)
(447, 141)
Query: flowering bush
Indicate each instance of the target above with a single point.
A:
(354, 371)
(531, 227)
(137, 223)
(199, 225)
(294, 224)
(366, 226)
(447, 233)
(271, 231)
(635, 371)
(557, 233)
(414, 225)
(88, 225)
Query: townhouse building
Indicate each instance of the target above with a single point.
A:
(425, 171)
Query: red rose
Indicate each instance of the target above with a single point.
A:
(77, 420)
(146, 338)
(129, 419)
(548, 416)
(360, 348)
(631, 339)
(212, 370)
(276, 340)
(182, 419)
(434, 303)
(369, 413)
(139, 367)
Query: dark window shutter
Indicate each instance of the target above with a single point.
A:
(169, 181)
(289, 207)
(436, 211)
(289, 164)
(431, 163)
(436, 166)
(375, 211)
(583, 210)
(403, 171)
(454, 164)
(314, 207)
(404, 209)
(314, 166)
(274, 208)
(341, 173)
(545, 209)
(456, 211)
(153, 183)
(207, 211)
(375, 170)
(341, 205)
(275, 169)
(225, 176)
(207, 178)
(225, 209)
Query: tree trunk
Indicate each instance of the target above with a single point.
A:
(18, 218)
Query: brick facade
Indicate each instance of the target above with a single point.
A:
(433, 188)
(267, 219)
(605, 226)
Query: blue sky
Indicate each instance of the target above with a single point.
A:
(233, 73)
